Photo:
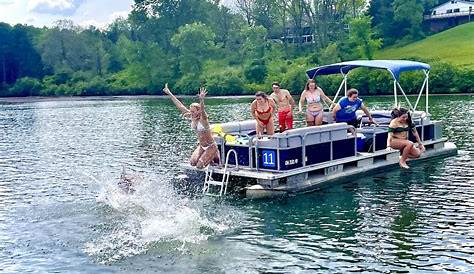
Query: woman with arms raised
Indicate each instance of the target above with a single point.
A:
(398, 130)
(313, 96)
(206, 150)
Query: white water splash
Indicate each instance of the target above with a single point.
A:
(155, 214)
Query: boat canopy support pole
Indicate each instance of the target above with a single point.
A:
(343, 83)
(395, 92)
(427, 73)
(404, 95)
(421, 92)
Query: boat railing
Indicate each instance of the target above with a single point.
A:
(253, 145)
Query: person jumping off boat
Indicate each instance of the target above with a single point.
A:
(262, 109)
(398, 130)
(345, 109)
(206, 151)
(285, 104)
(313, 95)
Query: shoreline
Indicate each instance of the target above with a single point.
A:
(143, 97)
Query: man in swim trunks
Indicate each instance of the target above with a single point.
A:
(262, 109)
(345, 109)
(285, 104)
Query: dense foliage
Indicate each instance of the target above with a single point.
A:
(189, 43)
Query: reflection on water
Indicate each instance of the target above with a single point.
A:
(61, 211)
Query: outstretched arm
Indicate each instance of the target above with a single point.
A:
(389, 136)
(334, 110)
(366, 111)
(418, 139)
(326, 98)
(175, 100)
(202, 94)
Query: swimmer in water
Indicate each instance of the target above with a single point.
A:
(128, 182)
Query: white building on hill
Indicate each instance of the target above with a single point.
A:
(450, 14)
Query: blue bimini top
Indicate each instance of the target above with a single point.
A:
(395, 67)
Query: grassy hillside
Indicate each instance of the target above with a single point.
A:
(455, 45)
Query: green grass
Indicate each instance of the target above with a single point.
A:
(455, 46)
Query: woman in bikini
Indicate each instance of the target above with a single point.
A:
(398, 130)
(206, 150)
(262, 109)
(314, 110)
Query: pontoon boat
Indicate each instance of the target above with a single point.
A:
(304, 159)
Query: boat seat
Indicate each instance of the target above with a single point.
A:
(230, 127)
(379, 117)
(383, 117)
(247, 126)
(238, 127)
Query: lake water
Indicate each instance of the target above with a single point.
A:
(61, 212)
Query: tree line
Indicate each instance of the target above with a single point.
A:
(189, 43)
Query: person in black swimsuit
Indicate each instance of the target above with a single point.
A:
(398, 130)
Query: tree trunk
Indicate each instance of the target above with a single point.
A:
(98, 62)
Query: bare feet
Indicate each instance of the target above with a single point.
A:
(404, 165)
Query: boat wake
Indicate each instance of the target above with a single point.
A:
(155, 216)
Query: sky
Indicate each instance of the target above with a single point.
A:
(41, 13)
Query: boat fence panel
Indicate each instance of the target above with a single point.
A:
(291, 149)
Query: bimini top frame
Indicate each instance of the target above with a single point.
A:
(395, 67)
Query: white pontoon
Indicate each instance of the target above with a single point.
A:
(303, 159)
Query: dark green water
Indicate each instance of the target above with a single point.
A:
(61, 212)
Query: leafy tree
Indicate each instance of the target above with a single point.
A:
(145, 64)
(194, 42)
(96, 50)
(382, 15)
(26, 86)
(361, 35)
(62, 49)
(28, 60)
(254, 42)
(18, 57)
(223, 82)
(330, 54)
(6, 54)
(117, 28)
(159, 20)
(408, 15)
(256, 71)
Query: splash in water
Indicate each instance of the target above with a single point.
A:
(155, 214)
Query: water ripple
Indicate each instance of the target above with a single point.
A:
(61, 211)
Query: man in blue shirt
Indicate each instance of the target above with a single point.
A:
(345, 109)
